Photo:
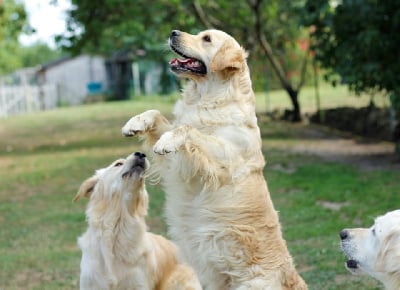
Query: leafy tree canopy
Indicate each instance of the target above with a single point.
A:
(130, 25)
(124, 25)
(358, 40)
(12, 23)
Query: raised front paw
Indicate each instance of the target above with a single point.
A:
(140, 123)
(171, 141)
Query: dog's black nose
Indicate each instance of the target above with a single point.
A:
(175, 33)
(140, 154)
(344, 234)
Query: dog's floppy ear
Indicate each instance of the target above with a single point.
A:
(389, 254)
(228, 57)
(86, 188)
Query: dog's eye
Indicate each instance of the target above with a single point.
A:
(373, 232)
(207, 38)
(118, 164)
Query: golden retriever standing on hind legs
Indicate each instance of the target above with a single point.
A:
(218, 207)
(117, 250)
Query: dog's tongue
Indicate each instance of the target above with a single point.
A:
(176, 61)
(187, 62)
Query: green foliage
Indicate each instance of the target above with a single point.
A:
(12, 55)
(133, 26)
(359, 41)
(136, 26)
(12, 23)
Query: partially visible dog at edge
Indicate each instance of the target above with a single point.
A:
(117, 250)
(375, 251)
(218, 206)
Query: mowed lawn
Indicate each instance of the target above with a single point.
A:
(44, 157)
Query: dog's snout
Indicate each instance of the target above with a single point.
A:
(344, 234)
(175, 33)
(140, 155)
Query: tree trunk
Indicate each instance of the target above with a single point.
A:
(295, 114)
(320, 114)
(395, 118)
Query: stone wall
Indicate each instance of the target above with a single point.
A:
(369, 121)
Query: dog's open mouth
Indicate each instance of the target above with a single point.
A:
(187, 64)
(352, 264)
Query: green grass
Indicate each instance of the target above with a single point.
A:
(45, 156)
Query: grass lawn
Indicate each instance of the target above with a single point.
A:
(45, 156)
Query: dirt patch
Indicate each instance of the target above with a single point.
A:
(338, 146)
(342, 147)
(288, 168)
(6, 161)
(334, 206)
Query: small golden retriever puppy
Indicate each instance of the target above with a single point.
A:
(375, 251)
(117, 250)
(218, 207)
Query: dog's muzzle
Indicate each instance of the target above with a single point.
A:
(186, 64)
(137, 164)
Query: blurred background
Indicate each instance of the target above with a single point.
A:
(68, 52)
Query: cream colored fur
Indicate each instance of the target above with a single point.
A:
(375, 251)
(117, 250)
(218, 206)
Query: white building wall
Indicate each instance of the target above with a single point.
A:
(72, 77)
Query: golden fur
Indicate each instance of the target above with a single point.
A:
(218, 207)
(375, 251)
(117, 250)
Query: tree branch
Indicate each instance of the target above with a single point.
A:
(199, 12)
(266, 47)
(303, 69)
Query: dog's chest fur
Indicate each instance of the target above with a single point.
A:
(204, 107)
(119, 250)
(195, 227)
